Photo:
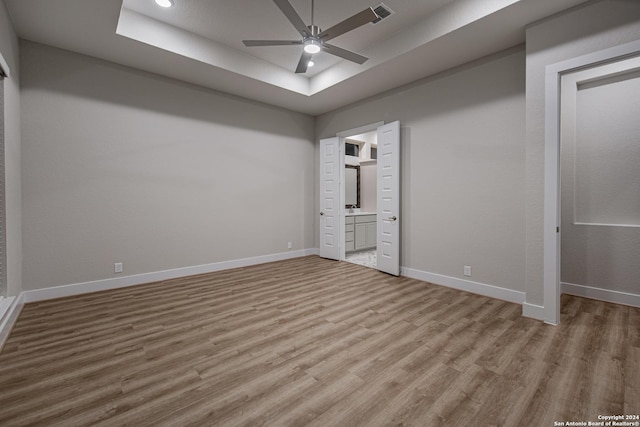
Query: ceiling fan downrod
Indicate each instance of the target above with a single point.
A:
(315, 30)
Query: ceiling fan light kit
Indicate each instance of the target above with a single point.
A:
(164, 3)
(311, 46)
(313, 39)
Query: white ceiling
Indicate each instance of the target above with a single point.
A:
(200, 41)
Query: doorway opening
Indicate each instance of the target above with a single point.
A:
(333, 208)
(600, 182)
(558, 80)
(360, 189)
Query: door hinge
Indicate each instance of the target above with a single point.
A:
(557, 229)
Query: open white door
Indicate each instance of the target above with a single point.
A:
(389, 198)
(330, 169)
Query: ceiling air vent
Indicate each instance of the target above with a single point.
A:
(383, 11)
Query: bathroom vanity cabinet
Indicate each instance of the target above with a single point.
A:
(360, 231)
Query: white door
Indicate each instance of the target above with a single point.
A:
(330, 172)
(388, 238)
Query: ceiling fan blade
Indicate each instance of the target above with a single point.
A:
(251, 43)
(293, 17)
(345, 54)
(303, 63)
(357, 20)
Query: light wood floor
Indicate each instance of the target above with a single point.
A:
(314, 342)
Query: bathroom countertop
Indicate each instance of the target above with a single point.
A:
(360, 213)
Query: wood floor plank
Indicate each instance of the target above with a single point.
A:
(632, 381)
(310, 341)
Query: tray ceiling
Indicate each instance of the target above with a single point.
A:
(201, 41)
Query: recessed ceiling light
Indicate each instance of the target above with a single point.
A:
(311, 63)
(164, 3)
(311, 46)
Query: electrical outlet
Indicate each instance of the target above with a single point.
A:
(117, 267)
(467, 270)
(289, 245)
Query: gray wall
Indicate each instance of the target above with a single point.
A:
(601, 184)
(589, 28)
(124, 166)
(151, 164)
(463, 154)
(12, 153)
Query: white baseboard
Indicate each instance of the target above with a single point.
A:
(607, 295)
(138, 279)
(5, 304)
(533, 311)
(465, 285)
(12, 310)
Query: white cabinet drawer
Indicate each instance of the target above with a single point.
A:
(348, 237)
(348, 220)
(365, 218)
(348, 228)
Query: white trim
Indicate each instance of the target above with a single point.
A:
(607, 295)
(465, 285)
(597, 224)
(138, 279)
(533, 311)
(553, 74)
(5, 305)
(10, 317)
(4, 67)
(342, 255)
(361, 129)
(551, 291)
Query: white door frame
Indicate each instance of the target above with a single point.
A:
(553, 76)
(343, 135)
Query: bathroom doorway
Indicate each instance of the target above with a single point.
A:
(361, 171)
(334, 209)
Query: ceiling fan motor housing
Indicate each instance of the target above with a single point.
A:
(315, 30)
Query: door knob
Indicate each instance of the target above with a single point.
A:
(321, 213)
(392, 218)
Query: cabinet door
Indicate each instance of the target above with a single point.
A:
(361, 236)
(372, 234)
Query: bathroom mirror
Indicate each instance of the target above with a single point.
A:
(352, 186)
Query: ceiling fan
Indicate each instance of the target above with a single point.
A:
(314, 39)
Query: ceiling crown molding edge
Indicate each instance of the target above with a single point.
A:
(143, 29)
